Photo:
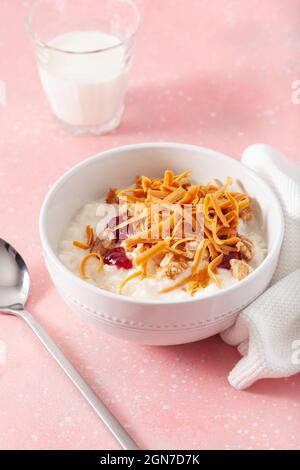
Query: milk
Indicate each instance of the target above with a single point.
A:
(85, 89)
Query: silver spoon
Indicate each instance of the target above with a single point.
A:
(14, 292)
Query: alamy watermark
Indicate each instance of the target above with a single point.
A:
(2, 92)
(295, 96)
(295, 358)
(150, 221)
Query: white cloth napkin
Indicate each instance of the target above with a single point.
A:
(267, 332)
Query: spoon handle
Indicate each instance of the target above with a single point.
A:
(98, 406)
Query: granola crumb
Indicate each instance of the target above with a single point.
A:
(247, 214)
(246, 248)
(166, 260)
(239, 268)
(190, 255)
(173, 269)
(102, 245)
(112, 197)
(97, 247)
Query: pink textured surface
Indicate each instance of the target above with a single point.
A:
(218, 74)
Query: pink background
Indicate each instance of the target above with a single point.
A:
(213, 73)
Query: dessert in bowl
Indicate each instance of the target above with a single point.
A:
(165, 238)
(168, 257)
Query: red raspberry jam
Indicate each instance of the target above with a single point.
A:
(117, 257)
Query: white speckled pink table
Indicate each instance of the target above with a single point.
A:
(218, 74)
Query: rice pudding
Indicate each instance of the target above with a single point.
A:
(165, 239)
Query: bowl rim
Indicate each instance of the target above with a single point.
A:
(136, 300)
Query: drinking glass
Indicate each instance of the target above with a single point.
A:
(84, 52)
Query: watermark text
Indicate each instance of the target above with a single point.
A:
(295, 358)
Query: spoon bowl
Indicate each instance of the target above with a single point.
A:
(14, 279)
(14, 292)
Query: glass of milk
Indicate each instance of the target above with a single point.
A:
(84, 53)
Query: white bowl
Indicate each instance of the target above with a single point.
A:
(144, 321)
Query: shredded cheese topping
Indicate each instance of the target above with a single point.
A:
(90, 239)
(197, 223)
(84, 261)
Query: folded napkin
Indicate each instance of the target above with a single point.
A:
(267, 332)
